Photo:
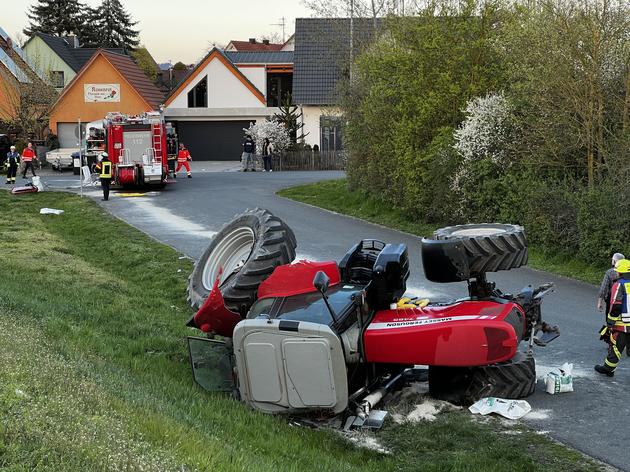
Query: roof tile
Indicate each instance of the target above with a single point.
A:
(321, 57)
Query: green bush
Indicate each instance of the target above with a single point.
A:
(557, 152)
(603, 223)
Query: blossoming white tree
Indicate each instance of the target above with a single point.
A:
(486, 130)
(485, 133)
(276, 133)
(483, 141)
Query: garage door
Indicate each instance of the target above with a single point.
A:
(68, 134)
(213, 140)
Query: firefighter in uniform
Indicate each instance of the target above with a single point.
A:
(12, 162)
(104, 168)
(183, 158)
(27, 157)
(618, 319)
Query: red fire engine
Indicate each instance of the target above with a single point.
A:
(136, 145)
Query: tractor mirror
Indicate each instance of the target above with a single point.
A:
(321, 281)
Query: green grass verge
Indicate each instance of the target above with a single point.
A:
(94, 372)
(334, 195)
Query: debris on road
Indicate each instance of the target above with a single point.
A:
(50, 211)
(560, 380)
(511, 409)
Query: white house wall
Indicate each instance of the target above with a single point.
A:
(225, 90)
(257, 76)
(310, 118)
(289, 45)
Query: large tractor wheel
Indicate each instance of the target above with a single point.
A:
(490, 246)
(247, 250)
(512, 379)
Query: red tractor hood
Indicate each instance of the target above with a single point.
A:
(468, 333)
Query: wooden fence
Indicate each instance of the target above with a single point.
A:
(310, 160)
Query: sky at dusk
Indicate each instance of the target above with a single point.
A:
(183, 29)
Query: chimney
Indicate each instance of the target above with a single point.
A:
(252, 40)
(266, 41)
(73, 41)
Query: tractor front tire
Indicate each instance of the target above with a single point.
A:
(489, 247)
(246, 250)
(512, 379)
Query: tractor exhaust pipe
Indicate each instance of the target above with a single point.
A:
(371, 400)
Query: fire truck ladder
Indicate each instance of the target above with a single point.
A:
(156, 133)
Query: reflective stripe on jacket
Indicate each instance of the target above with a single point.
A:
(28, 155)
(183, 155)
(619, 316)
(105, 170)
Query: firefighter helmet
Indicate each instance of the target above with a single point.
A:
(623, 266)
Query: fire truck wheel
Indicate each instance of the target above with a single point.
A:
(513, 379)
(489, 246)
(243, 254)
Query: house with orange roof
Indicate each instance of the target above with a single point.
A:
(223, 94)
(108, 82)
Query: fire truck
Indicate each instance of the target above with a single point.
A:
(136, 145)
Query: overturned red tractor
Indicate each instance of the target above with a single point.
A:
(297, 337)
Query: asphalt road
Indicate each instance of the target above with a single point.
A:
(592, 419)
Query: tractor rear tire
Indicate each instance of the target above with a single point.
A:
(489, 246)
(512, 379)
(247, 249)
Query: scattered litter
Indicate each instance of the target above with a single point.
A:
(511, 409)
(179, 270)
(182, 257)
(50, 211)
(579, 371)
(560, 380)
(37, 182)
(176, 308)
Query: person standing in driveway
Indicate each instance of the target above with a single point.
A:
(618, 319)
(104, 168)
(267, 149)
(249, 148)
(13, 160)
(27, 157)
(183, 159)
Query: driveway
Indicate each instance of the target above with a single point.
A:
(189, 212)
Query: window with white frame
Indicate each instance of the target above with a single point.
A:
(330, 133)
(198, 95)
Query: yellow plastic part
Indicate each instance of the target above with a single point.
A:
(407, 302)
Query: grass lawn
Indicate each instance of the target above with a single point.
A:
(94, 372)
(334, 195)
